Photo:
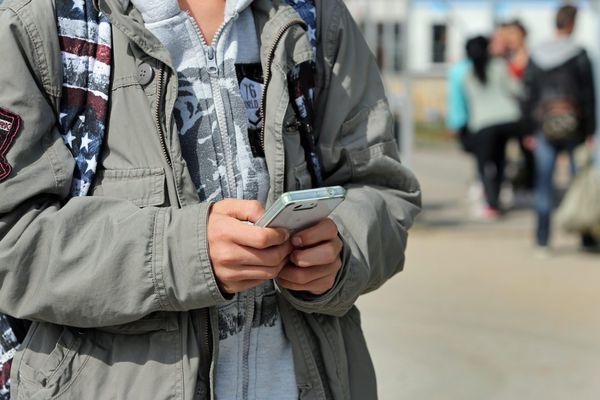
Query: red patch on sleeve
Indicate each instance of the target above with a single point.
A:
(10, 124)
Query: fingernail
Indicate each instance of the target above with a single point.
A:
(297, 241)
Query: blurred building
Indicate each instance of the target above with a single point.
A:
(424, 37)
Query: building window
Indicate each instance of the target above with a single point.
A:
(439, 43)
(389, 46)
(380, 50)
(398, 48)
(385, 40)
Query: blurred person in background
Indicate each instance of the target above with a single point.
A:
(561, 106)
(523, 181)
(499, 42)
(517, 51)
(494, 116)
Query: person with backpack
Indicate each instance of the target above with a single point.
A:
(138, 140)
(561, 107)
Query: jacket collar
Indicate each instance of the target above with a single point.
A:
(128, 20)
(107, 6)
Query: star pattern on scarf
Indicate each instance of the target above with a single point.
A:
(308, 12)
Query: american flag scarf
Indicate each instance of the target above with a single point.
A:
(85, 41)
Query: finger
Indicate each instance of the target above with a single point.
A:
(325, 253)
(234, 255)
(317, 287)
(231, 229)
(243, 210)
(259, 238)
(246, 273)
(303, 276)
(321, 232)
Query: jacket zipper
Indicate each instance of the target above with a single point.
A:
(160, 80)
(270, 58)
(250, 311)
(213, 72)
(209, 353)
(161, 133)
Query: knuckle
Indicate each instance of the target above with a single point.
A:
(338, 243)
(331, 228)
(219, 254)
(228, 260)
(255, 206)
(273, 258)
(300, 277)
(295, 258)
(225, 276)
(218, 232)
(337, 264)
(330, 254)
(281, 255)
(223, 205)
(263, 239)
(271, 273)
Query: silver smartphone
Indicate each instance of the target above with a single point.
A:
(301, 209)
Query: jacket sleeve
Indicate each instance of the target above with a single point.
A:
(359, 151)
(588, 94)
(84, 262)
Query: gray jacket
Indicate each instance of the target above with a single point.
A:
(119, 283)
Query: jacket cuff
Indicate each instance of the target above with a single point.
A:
(182, 272)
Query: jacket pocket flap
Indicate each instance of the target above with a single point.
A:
(143, 186)
(159, 321)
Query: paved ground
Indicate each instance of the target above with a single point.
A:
(476, 315)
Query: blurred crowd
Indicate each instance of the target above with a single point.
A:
(542, 99)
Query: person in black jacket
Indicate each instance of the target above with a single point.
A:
(561, 105)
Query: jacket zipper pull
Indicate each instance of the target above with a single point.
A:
(211, 55)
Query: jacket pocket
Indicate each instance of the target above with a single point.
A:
(144, 187)
(347, 365)
(50, 361)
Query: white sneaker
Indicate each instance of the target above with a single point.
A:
(543, 253)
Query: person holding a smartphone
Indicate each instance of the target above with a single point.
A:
(140, 143)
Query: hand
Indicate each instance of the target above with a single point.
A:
(244, 256)
(316, 261)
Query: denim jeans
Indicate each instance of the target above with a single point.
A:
(545, 162)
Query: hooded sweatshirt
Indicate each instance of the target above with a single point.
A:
(540, 80)
(217, 112)
(554, 53)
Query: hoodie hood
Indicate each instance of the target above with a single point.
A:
(555, 53)
(160, 10)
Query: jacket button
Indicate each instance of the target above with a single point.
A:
(145, 74)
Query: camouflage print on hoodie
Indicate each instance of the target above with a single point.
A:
(218, 101)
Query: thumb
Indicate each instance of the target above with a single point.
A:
(243, 210)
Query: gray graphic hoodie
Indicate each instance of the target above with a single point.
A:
(215, 111)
